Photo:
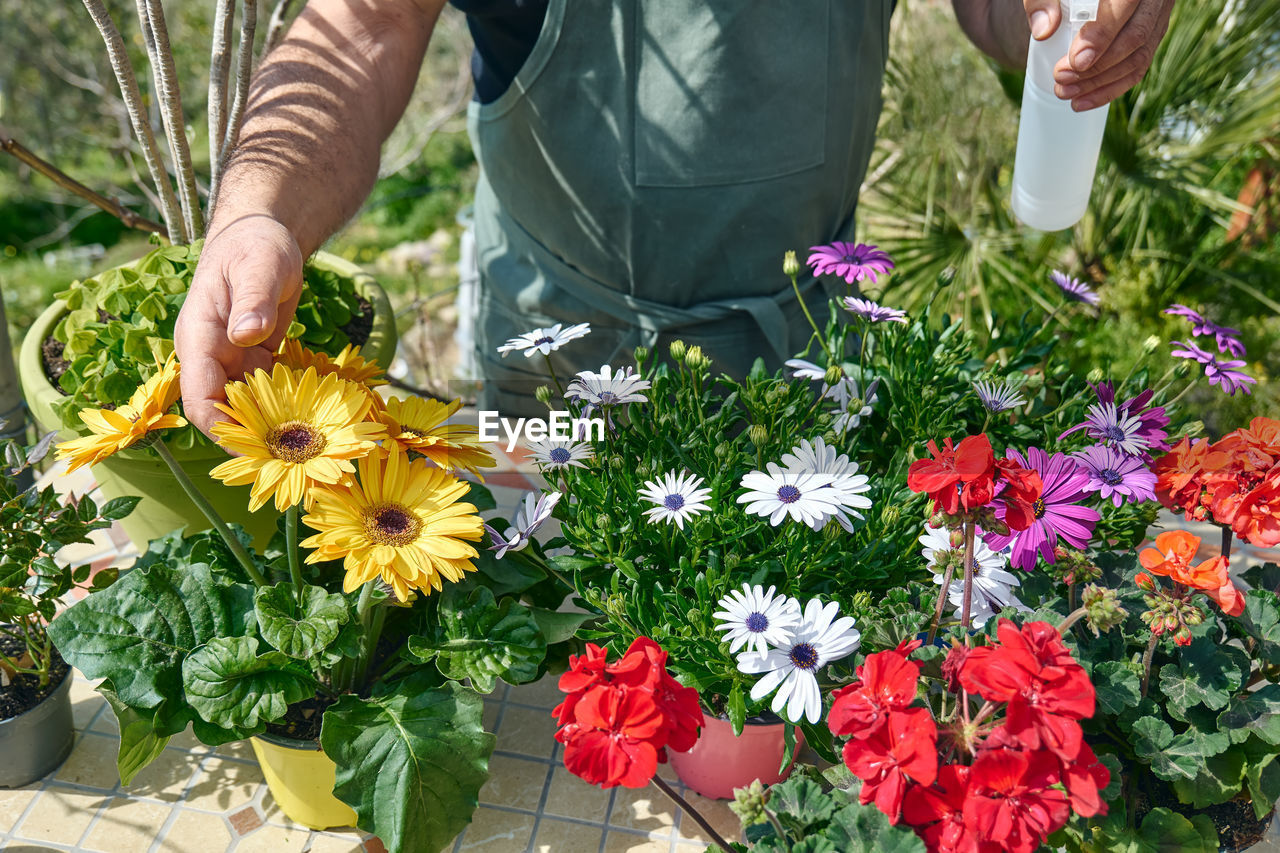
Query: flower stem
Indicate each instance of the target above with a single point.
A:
(237, 548)
(942, 602)
(291, 543)
(554, 379)
(1075, 616)
(1146, 662)
(805, 308)
(1226, 543)
(968, 575)
(691, 812)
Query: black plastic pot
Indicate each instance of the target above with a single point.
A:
(35, 742)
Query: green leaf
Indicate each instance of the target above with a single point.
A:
(482, 640)
(1207, 674)
(1255, 712)
(480, 497)
(1219, 780)
(557, 627)
(300, 632)
(411, 760)
(1262, 779)
(138, 631)
(1164, 831)
(800, 804)
(865, 829)
(230, 685)
(117, 508)
(737, 708)
(1175, 757)
(1118, 687)
(509, 576)
(140, 743)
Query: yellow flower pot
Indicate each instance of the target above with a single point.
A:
(301, 778)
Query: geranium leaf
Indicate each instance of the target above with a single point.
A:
(138, 631)
(482, 640)
(300, 631)
(1117, 687)
(865, 829)
(1255, 712)
(800, 804)
(230, 685)
(1219, 779)
(1207, 674)
(1165, 831)
(1262, 778)
(411, 760)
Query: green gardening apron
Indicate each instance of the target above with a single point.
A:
(649, 166)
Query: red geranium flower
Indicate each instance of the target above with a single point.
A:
(1010, 799)
(645, 665)
(612, 741)
(936, 813)
(584, 672)
(956, 476)
(903, 750)
(1023, 487)
(1083, 779)
(886, 682)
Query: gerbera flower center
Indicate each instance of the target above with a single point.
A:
(1038, 508)
(757, 622)
(295, 441)
(559, 455)
(391, 524)
(1110, 476)
(804, 656)
(788, 494)
(673, 502)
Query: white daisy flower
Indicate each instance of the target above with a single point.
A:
(545, 341)
(756, 618)
(791, 668)
(818, 457)
(607, 388)
(532, 514)
(560, 454)
(801, 369)
(678, 497)
(998, 397)
(992, 585)
(777, 493)
(851, 418)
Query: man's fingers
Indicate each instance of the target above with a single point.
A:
(1098, 49)
(258, 286)
(1084, 93)
(1043, 16)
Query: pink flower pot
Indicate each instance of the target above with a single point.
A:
(720, 762)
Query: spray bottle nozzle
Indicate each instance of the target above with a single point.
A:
(1081, 11)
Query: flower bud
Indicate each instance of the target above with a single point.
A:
(995, 527)
(890, 516)
(758, 434)
(834, 374)
(723, 451)
(1095, 376)
(644, 472)
(696, 360)
(790, 264)
(641, 353)
(856, 404)
(936, 519)
(617, 464)
(1151, 344)
(748, 803)
(1194, 616)
(957, 538)
(832, 530)
(543, 395)
(732, 561)
(1183, 637)
(678, 350)
(773, 395)
(603, 522)
(1144, 582)
(1102, 608)
(616, 605)
(946, 277)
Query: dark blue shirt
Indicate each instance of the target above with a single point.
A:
(505, 32)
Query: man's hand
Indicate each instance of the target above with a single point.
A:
(245, 290)
(1110, 55)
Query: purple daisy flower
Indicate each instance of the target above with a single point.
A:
(998, 397)
(1226, 374)
(1130, 426)
(1228, 339)
(851, 261)
(1073, 288)
(1057, 512)
(873, 313)
(1117, 476)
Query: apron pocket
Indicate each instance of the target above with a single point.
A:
(729, 91)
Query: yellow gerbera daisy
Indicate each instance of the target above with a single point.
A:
(348, 364)
(292, 431)
(400, 522)
(118, 429)
(418, 424)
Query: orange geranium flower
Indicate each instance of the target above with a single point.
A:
(1172, 558)
(1262, 434)
(1257, 514)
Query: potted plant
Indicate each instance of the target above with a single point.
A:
(355, 649)
(35, 681)
(109, 333)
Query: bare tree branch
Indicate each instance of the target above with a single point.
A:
(244, 69)
(276, 27)
(219, 71)
(156, 34)
(141, 126)
(12, 146)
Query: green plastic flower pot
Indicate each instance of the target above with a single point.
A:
(165, 507)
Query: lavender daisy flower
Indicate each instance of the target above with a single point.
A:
(1117, 476)
(1228, 339)
(1057, 511)
(851, 261)
(873, 313)
(998, 398)
(607, 388)
(1104, 424)
(1073, 288)
(1226, 374)
(532, 514)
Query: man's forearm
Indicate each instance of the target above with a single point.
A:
(998, 27)
(319, 109)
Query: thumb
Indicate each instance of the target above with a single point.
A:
(258, 287)
(1044, 16)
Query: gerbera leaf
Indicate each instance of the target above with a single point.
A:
(230, 685)
(558, 627)
(482, 640)
(300, 629)
(411, 760)
(480, 497)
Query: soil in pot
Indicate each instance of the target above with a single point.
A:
(24, 692)
(1238, 827)
(303, 719)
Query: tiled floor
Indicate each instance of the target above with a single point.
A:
(198, 799)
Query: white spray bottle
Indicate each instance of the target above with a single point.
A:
(1057, 146)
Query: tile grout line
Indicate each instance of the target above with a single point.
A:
(542, 797)
(608, 813)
